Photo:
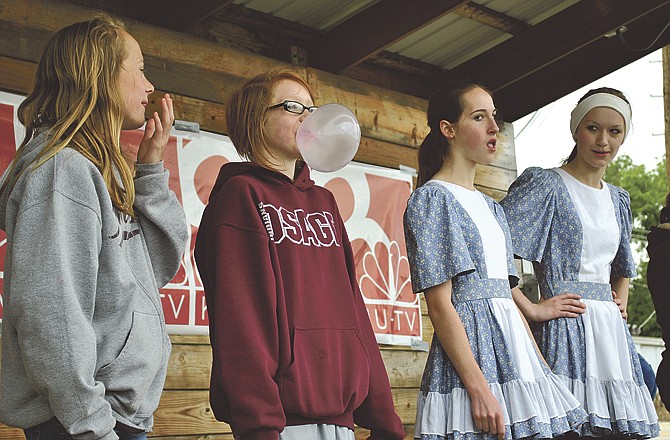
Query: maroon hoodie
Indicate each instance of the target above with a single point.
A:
(291, 339)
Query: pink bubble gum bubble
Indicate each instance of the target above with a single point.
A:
(329, 138)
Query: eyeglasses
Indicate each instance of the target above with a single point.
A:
(294, 107)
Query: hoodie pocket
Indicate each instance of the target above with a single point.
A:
(330, 373)
(129, 378)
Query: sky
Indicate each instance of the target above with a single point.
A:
(543, 138)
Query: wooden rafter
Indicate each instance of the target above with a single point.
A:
(582, 66)
(552, 39)
(372, 30)
(492, 18)
(177, 14)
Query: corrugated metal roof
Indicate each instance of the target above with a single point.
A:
(447, 42)
(318, 14)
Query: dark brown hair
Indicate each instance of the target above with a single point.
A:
(446, 104)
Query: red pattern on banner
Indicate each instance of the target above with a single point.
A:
(7, 142)
(7, 150)
(176, 307)
(344, 196)
(205, 176)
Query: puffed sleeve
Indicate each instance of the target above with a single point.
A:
(529, 207)
(436, 246)
(623, 264)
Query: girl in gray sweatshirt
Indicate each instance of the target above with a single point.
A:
(91, 238)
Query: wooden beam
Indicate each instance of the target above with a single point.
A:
(490, 17)
(179, 15)
(552, 39)
(399, 73)
(372, 30)
(581, 67)
(201, 75)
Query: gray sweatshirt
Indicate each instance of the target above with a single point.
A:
(83, 333)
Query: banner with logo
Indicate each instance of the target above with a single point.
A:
(371, 200)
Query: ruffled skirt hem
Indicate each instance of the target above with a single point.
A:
(618, 407)
(541, 410)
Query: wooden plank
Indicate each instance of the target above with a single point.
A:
(404, 367)
(385, 154)
(7, 433)
(190, 339)
(186, 413)
(382, 114)
(495, 194)
(16, 76)
(190, 366)
(189, 413)
(493, 177)
(505, 154)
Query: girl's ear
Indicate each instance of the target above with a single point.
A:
(447, 129)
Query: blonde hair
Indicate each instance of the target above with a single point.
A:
(246, 112)
(76, 96)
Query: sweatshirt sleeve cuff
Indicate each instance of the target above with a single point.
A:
(144, 169)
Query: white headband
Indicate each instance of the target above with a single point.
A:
(601, 100)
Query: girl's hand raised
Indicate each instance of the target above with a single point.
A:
(156, 133)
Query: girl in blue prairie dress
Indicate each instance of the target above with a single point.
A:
(484, 376)
(576, 229)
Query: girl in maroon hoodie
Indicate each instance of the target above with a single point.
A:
(294, 355)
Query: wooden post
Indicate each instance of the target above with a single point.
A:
(666, 105)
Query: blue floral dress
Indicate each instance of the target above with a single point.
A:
(444, 243)
(593, 354)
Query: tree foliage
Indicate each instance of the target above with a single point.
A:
(647, 191)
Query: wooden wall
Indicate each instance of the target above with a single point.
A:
(200, 75)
